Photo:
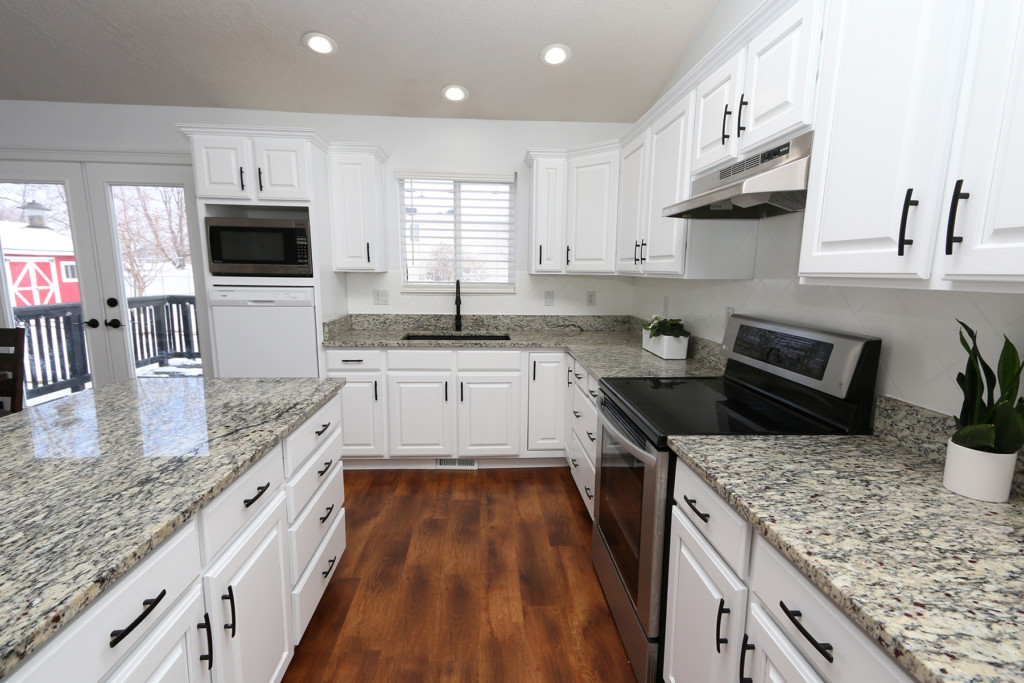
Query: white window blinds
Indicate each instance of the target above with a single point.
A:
(458, 229)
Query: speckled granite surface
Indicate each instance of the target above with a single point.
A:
(936, 578)
(94, 481)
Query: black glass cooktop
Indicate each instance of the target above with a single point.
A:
(703, 405)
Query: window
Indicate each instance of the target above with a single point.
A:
(70, 271)
(457, 228)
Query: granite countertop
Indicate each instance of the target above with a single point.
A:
(95, 481)
(937, 579)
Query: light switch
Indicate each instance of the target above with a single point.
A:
(549, 297)
(591, 298)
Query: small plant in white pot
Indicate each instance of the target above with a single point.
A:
(982, 455)
(666, 338)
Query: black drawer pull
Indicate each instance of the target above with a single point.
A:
(327, 466)
(330, 566)
(209, 641)
(577, 413)
(589, 494)
(951, 225)
(590, 435)
(230, 597)
(323, 429)
(150, 604)
(907, 203)
(578, 375)
(574, 463)
(719, 640)
(592, 393)
(692, 502)
(330, 509)
(824, 649)
(746, 647)
(260, 490)
(352, 360)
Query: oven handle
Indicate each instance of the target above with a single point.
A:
(646, 457)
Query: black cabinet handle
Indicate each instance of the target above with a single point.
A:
(574, 463)
(591, 436)
(260, 490)
(569, 379)
(824, 649)
(589, 494)
(747, 647)
(330, 509)
(327, 466)
(907, 203)
(230, 597)
(259, 171)
(719, 640)
(725, 136)
(351, 360)
(208, 658)
(577, 414)
(643, 245)
(739, 116)
(91, 322)
(567, 254)
(578, 375)
(330, 566)
(592, 393)
(636, 247)
(462, 392)
(704, 516)
(375, 390)
(150, 604)
(113, 322)
(951, 225)
(367, 252)
(241, 176)
(446, 391)
(540, 255)
(534, 371)
(323, 428)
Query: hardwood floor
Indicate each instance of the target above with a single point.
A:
(463, 576)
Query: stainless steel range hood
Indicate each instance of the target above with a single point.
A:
(770, 183)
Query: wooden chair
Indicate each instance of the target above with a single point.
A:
(12, 369)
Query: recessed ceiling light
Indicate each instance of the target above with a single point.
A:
(454, 93)
(318, 42)
(555, 54)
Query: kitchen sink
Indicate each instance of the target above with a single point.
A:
(456, 337)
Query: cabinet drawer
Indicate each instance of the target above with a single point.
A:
(585, 426)
(313, 583)
(488, 359)
(419, 360)
(855, 656)
(721, 525)
(301, 443)
(314, 472)
(593, 390)
(227, 513)
(582, 472)
(82, 652)
(310, 526)
(355, 359)
(580, 376)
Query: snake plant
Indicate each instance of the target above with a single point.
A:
(989, 420)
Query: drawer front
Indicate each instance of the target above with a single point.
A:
(301, 487)
(227, 513)
(315, 431)
(585, 425)
(856, 658)
(720, 524)
(314, 522)
(593, 390)
(82, 652)
(419, 360)
(310, 588)
(488, 359)
(346, 360)
(580, 376)
(582, 472)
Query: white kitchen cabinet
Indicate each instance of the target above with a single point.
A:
(591, 211)
(420, 413)
(239, 166)
(363, 422)
(488, 414)
(546, 411)
(223, 166)
(248, 596)
(669, 183)
(717, 99)
(583, 472)
(634, 177)
(706, 606)
(547, 211)
(357, 208)
(768, 656)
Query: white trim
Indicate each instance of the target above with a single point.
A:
(527, 459)
(468, 288)
(406, 174)
(190, 129)
(376, 151)
(96, 155)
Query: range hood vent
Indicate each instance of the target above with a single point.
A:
(770, 183)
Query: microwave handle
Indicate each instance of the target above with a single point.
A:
(647, 458)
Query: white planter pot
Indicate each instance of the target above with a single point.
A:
(977, 474)
(669, 348)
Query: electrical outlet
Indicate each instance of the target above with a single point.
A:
(549, 297)
(591, 298)
(380, 297)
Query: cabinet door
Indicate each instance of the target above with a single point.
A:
(883, 126)
(362, 415)
(547, 215)
(770, 657)
(987, 157)
(670, 183)
(593, 207)
(714, 138)
(707, 603)
(546, 415)
(632, 212)
(254, 573)
(488, 414)
(223, 167)
(420, 414)
(782, 64)
(282, 168)
(357, 213)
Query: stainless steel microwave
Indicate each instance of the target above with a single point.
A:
(259, 247)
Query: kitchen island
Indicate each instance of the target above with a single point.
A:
(94, 482)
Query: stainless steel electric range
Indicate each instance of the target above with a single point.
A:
(780, 378)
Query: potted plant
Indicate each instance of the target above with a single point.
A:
(982, 455)
(666, 338)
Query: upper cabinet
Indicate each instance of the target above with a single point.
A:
(547, 211)
(762, 92)
(357, 208)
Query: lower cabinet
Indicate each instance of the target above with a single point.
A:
(420, 414)
(488, 414)
(583, 472)
(362, 400)
(547, 385)
(767, 656)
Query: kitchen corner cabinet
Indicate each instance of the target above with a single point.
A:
(357, 208)
(242, 167)
(546, 411)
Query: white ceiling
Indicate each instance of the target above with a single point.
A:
(394, 56)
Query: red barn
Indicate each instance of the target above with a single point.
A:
(39, 264)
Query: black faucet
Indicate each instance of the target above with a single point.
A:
(458, 306)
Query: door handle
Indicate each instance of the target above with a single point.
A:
(907, 203)
(113, 322)
(91, 322)
(725, 136)
(951, 225)
(739, 116)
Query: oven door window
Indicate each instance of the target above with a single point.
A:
(621, 509)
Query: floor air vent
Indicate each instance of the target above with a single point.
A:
(456, 464)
